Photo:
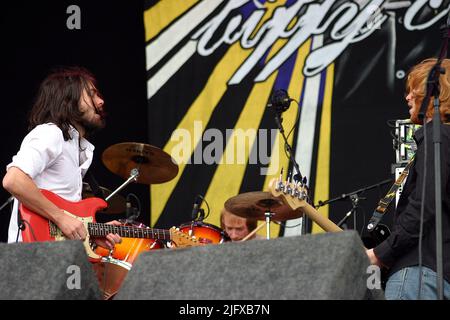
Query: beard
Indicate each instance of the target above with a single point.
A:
(92, 127)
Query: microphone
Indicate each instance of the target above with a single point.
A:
(132, 213)
(128, 209)
(196, 207)
(280, 101)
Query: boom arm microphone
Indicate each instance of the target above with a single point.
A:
(196, 207)
(280, 101)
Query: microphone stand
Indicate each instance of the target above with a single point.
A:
(355, 200)
(10, 199)
(278, 121)
(346, 195)
(433, 89)
(298, 176)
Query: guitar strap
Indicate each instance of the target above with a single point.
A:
(384, 203)
(98, 192)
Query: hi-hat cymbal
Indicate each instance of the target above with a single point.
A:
(117, 204)
(155, 166)
(254, 205)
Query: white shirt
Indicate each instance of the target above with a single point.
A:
(53, 164)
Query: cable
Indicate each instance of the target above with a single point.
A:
(31, 229)
(394, 137)
(391, 123)
(207, 205)
(284, 224)
(296, 120)
(364, 221)
(132, 195)
(286, 152)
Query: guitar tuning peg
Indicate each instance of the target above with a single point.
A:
(281, 175)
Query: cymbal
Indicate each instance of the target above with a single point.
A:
(155, 166)
(117, 204)
(255, 204)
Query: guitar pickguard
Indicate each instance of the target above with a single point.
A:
(59, 236)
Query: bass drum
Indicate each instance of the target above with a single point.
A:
(114, 266)
(205, 233)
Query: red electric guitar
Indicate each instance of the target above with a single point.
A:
(38, 228)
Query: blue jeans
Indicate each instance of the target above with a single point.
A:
(404, 285)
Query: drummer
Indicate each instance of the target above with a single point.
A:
(237, 227)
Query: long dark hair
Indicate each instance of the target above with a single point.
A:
(58, 98)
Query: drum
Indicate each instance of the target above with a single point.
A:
(114, 266)
(206, 233)
(128, 250)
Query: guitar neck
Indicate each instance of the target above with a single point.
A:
(324, 223)
(101, 230)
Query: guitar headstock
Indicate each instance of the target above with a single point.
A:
(182, 239)
(292, 193)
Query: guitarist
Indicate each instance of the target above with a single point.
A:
(55, 154)
(400, 251)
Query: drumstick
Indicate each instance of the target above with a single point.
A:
(254, 231)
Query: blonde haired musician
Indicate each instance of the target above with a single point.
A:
(400, 251)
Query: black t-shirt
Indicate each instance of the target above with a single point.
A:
(400, 250)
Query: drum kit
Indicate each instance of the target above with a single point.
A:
(146, 164)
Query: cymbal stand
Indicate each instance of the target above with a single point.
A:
(268, 216)
(134, 174)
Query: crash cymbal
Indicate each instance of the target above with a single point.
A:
(117, 204)
(254, 205)
(155, 166)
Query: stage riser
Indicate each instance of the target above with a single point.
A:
(47, 271)
(326, 266)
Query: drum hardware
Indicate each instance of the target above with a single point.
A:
(134, 174)
(261, 205)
